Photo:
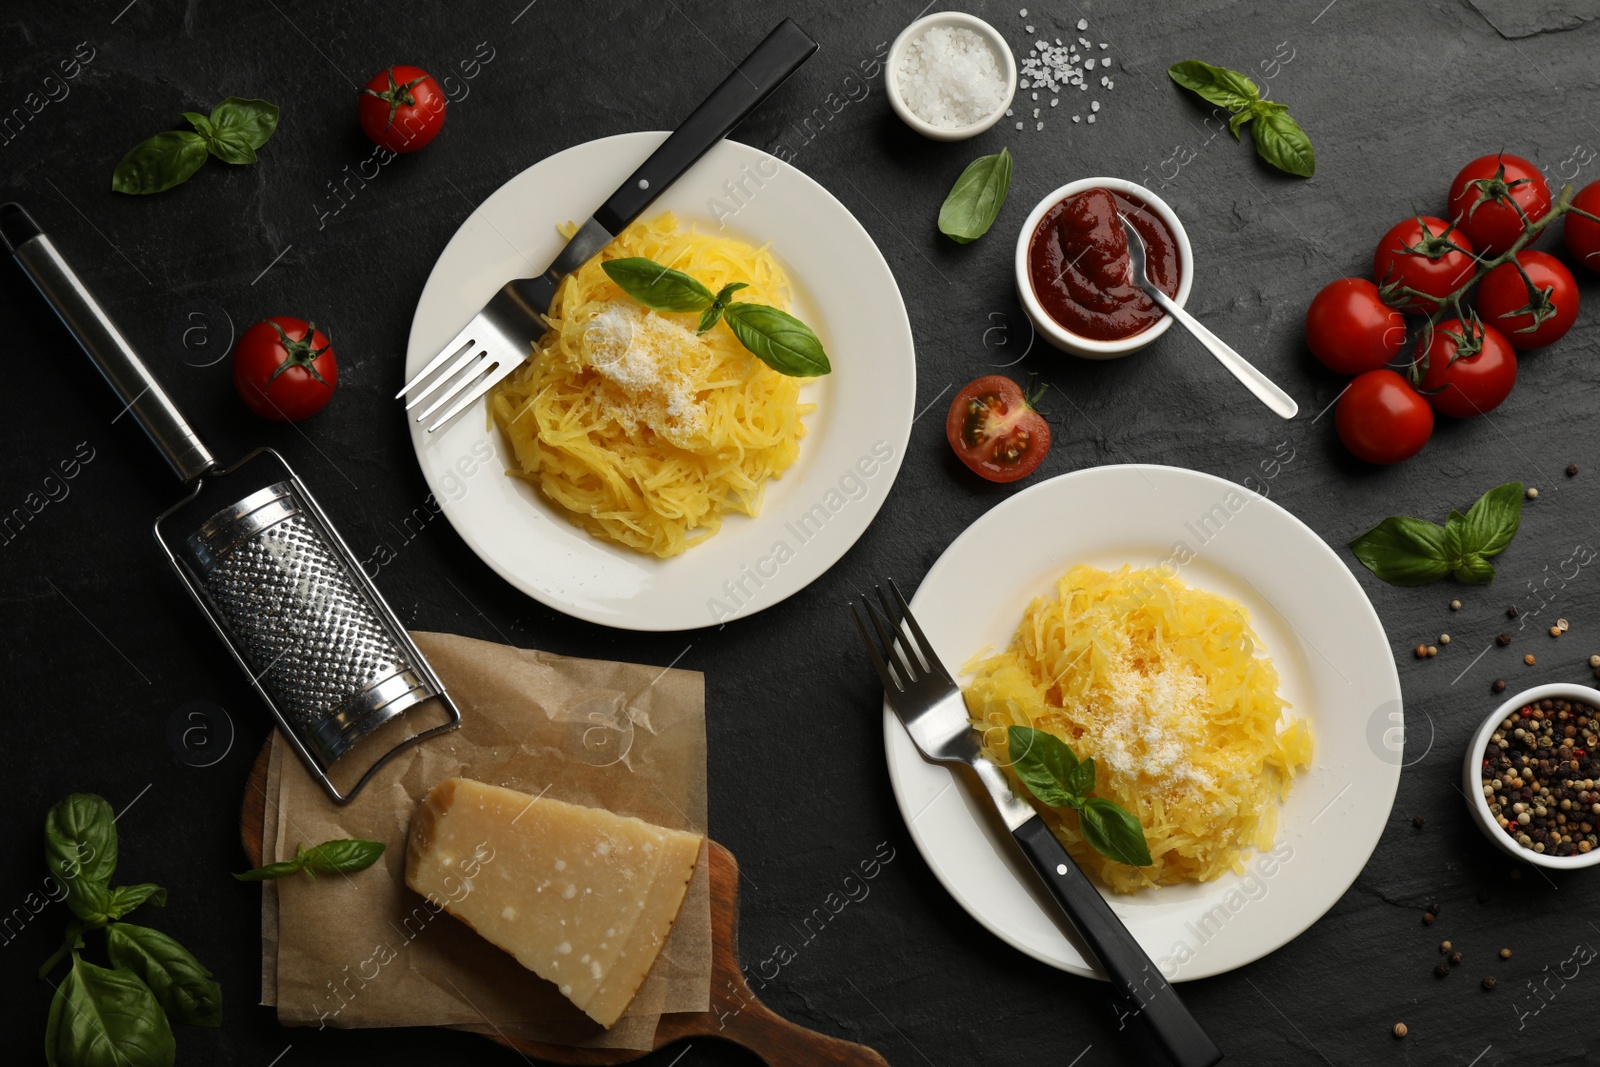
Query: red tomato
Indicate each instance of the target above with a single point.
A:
(995, 431)
(1483, 195)
(284, 369)
(1350, 329)
(401, 109)
(1381, 419)
(1583, 235)
(1471, 369)
(1529, 319)
(1424, 254)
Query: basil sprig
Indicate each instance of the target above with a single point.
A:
(775, 337)
(1406, 551)
(117, 1015)
(343, 856)
(1053, 773)
(1279, 138)
(232, 132)
(976, 198)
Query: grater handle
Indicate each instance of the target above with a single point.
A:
(119, 364)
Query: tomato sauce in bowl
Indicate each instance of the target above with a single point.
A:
(1078, 265)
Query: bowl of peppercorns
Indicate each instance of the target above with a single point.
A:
(1532, 776)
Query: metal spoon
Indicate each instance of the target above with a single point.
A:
(1263, 387)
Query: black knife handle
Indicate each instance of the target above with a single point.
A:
(763, 70)
(1133, 974)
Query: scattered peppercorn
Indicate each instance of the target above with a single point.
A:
(1505, 954)
(1399, 1029)
(1434, 907)
(1455, 958)
(1442, 970)
(1555, 631)
(1421, 651)
(1563, 625)
(1483, 896)
(1489, 982)
(1499, 685)
(1529, 660)
(1444, 947)
(1594, 661)
(1444, 639)
(1455, 605)
(1427, 918)
(1572, 470)
(1417, 821)
(1531, 493)
(1511, 612)
(1502, 640)
(1433, 650)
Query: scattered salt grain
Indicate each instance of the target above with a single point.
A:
(1023, 13)
(1027, 29)
(1104, 45)
(950, 78)
(1077, 118)
(1094, 105)
(1019, 125)
(1091, 118)
(1088, 64)
(1083, 24)
(1036, 96)
(1054, 101)
(1039, 126)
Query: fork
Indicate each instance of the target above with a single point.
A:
(1263, 387)
(500, 335)
(929, 705)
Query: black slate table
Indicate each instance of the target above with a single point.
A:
(103, 652)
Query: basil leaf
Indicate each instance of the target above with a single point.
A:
(1403, 551)
(1081, 780)
(80, 850)
(657, 287)
(183, 987)
(200, 123)
(1236, 123)
(778, 339)
(713, 314)
(1493, 520)
(1045, 764)
(282, 869)
(1281, 142)
(252, 122)
(1474, 570)
(106, 1018)
(1112, 832)
(976, 198)
(125, 898)
(341, 857)
(231, 146)
(1216, 85)
(155, 165)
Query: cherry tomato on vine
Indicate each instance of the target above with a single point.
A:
(1424, 254)
(1530, 318)
(1471, 369)
(1483, 195)
(284, 369)
(1583, 235)
(1381, 419)
(995, 431)
(1350, 329)
(401, 108)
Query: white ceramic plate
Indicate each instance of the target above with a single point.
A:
(811, 516)
(1316, 623)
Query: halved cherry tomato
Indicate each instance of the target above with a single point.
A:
(284, 369)
(1486, 197)
(1530, 318)
(995, 431)
(1350, 329)
(1471, 369)
(1424, 254)
(1381, 419)
(1583, 235)
(401, 108)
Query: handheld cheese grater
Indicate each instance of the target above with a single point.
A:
(281, 588)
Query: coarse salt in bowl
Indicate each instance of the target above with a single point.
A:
(950, 76)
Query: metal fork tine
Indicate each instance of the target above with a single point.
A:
(457, 343)
(477, 362)
(885, 672)
(464, 356)
(490, 380)
(882, 620)
(923, 646)
(908, 646)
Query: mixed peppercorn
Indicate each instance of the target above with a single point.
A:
(1540, 779)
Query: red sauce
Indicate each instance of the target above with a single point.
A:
(1078, 262)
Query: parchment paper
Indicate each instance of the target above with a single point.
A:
(363, 950)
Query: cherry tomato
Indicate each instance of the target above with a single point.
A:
(1424, 254)
(1471, 369)
(1381, 419)
(401, 108)
(1529, 319)
(1350, 329)
(1483, 195)
(284, 369)
(1583, 235)
(995, 431)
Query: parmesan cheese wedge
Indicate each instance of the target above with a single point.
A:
(580, 896)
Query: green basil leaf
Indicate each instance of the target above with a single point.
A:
(125, 898)
(1454, 547)
(231, 146)
(281, 869)
(1237, 121)
(1216, 85)
(1081, 780)
(165, 160)
(657, 287)
(341, 857)
(713, 314)
(1474, 570)
(1112, 832)
(1493, 520)
(976, 198)
(778, 339)
(1403, 551)
(251, 121)
(200, 123)
(180, 983)
(106, 1018)
(80, 850)
(1044, 763)
(1281, 142)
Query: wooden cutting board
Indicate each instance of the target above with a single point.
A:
(736, 1015)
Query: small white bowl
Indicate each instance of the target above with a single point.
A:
(1472, 781)
(954, 20)
(1057, 334)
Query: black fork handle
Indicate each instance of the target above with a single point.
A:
(762, 71)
